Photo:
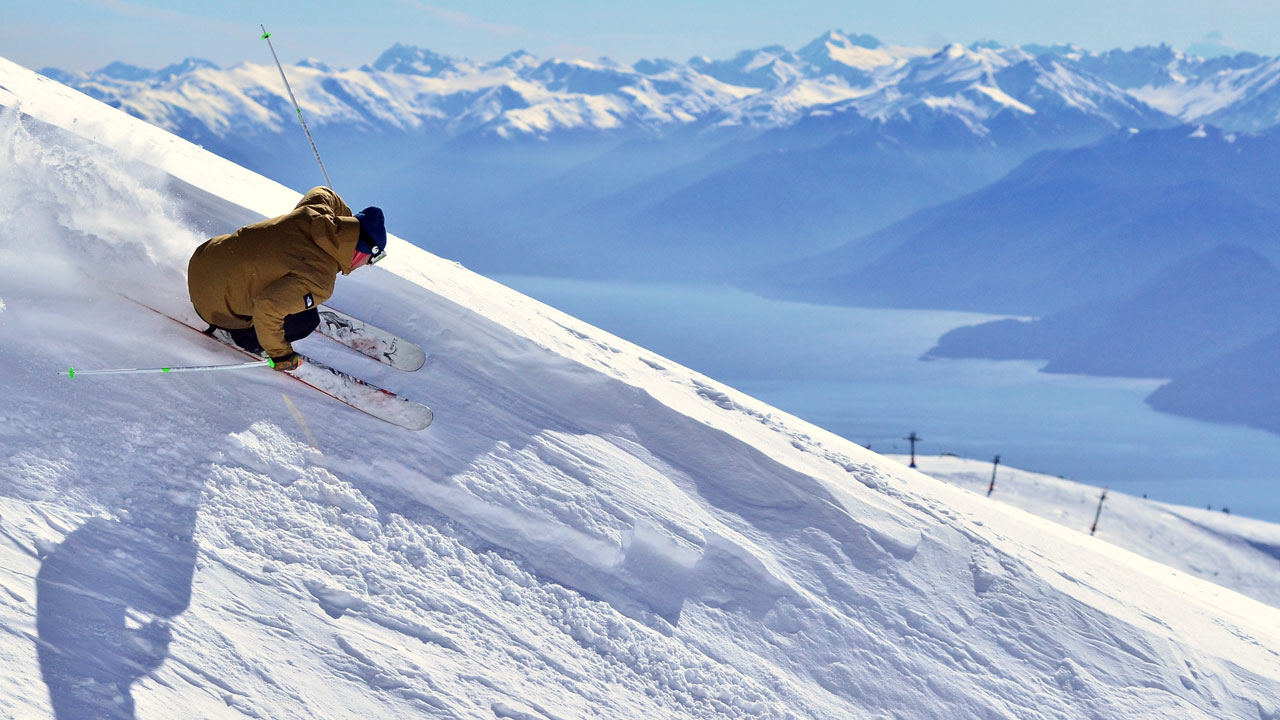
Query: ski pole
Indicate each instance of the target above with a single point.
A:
(72, 372)
(267, 36)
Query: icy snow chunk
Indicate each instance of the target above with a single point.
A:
(414, 630)
(334, 602)
(716, 396)
(321, 487)
(504, 710)
(987, 570)
(44, 547)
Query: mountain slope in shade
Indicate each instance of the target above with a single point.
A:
(1195, 311)
(1238, 388)
(587, 530)
(1064, 228)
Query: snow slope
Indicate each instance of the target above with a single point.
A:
(587, 530)
(1239, 553)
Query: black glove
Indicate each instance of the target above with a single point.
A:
(287, 362)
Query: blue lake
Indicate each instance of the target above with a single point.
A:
(857, 372)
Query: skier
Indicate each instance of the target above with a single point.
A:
(264, 282)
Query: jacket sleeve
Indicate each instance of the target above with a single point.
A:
(286, 296)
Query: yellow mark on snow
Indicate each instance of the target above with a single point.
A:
(293, 409)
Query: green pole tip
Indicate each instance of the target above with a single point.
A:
(266, 35)
(71, 372)
(165, 369)
(271, 363)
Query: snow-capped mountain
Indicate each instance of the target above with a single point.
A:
(1234, 92)
(767, 88)
(406, 60)
(587, 530)
(442, 140)
(1009, 96)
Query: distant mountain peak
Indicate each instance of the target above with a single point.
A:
(1213, 45)
(654, 66)
(410, 60)
(315, 64)
(517, 60)
(124, 71)
(849, 56)
(840, 38)
(189, 65)
(1069, 51)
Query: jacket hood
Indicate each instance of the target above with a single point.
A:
(339, 242)
(342, 246)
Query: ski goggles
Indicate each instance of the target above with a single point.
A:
(362, 258)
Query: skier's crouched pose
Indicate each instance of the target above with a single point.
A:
(264, 283)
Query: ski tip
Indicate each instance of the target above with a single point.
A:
(414, 362)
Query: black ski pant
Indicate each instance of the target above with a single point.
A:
(296, 327)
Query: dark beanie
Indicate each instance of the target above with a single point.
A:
(373, 231)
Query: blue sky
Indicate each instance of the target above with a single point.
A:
(86, 34)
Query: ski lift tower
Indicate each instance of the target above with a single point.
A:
(913, 438)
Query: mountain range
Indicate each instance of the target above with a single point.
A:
(409, 88)
(663, 168)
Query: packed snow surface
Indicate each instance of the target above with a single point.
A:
(1239, 553)
(587, 530)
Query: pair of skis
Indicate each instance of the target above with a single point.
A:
(365, 339)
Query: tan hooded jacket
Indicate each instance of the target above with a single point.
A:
(260, 273)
